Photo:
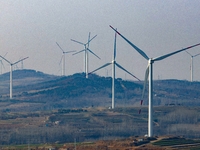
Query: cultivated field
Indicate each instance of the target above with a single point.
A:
(94, 124)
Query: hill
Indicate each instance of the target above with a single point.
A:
(44, 92)
(25, 73)
(34, 90)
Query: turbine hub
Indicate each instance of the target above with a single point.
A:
(151, 61)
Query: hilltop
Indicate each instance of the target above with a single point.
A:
(26, 73)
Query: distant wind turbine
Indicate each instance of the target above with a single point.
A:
(113, 72)
(86, 49)
(63, 58)
(191, 65)
(11, 65)
(149, 72)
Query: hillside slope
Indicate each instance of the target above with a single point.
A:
(38, 91)
(51, 92)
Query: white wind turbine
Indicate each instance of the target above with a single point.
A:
(63, 59)
(11, 65)
(191, 65)
(113, 72)
(86, 49)
(149, 72)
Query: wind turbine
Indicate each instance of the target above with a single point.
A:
(149, 72)
(191, 64)
(113, 72)
(63, 57)
(11, 65)
(86, 49)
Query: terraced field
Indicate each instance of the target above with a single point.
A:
(92, 124)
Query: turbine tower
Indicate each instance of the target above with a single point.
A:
(191, 65)
(86, 50)
(11, 65)
(63, 58)
(113, 62)
(149, 72)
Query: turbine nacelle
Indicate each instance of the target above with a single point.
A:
(150, 61)
(113, 61)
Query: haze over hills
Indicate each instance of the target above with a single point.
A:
(34, 90)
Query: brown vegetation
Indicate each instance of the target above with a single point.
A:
(91, 124)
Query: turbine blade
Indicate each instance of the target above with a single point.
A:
(69, 51)
(88, 39)
(79, 52)
(19, 60)
(5, 54)
(60, 47)
(188, 53)
(115, 45)
(100, 68)
(77, 42)
(2, 64)
(5, 59)
(196, 55)
(91, 39)
(61, 59)
(126, 71)
(93, 53)
(145, 81)
(167, 55)
(134, 46)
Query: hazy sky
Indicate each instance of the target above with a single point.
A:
(32, 28)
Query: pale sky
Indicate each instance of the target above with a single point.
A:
(32, 28)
